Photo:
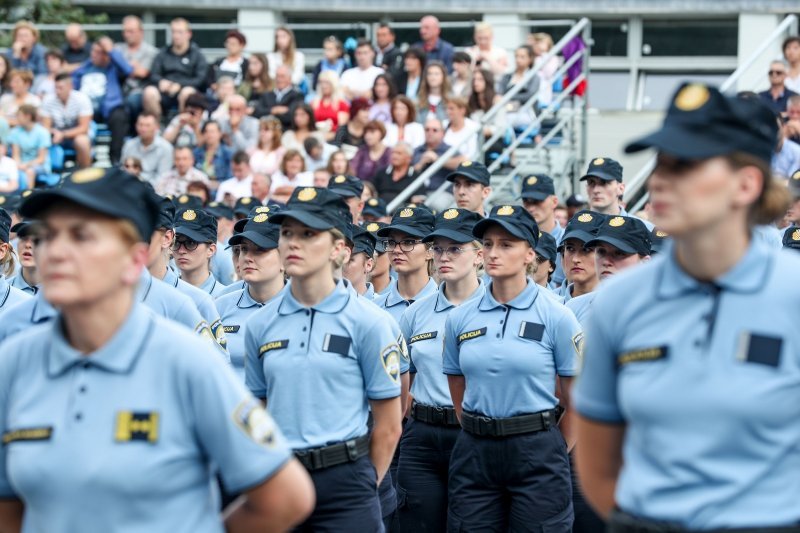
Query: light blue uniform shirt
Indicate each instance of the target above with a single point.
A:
(222, 264)
(318, 367)
(510, 354)
(204, 303)
(581, 306)
(18, 282)
(370, 292)
(233, 287)
(394, 304)
(558, 275)
(24, 314)
(769, 235)
(9, 296)
(422, 324)
(129, 437)
(211, 286)
(707, 382)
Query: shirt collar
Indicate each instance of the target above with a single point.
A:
(333, 303)
(42, 310)
(118, 355)
(145, 282)
(746, 276)
(443, 304)
(171, 278)
(4, 290)
(394, 298)
(209, 284)
(523, 300)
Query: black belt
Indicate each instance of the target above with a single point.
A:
(621, 522)
(335, 454)
(483, 426)
(431, 414)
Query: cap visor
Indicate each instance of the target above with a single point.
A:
(583, 236)
(414, 232)
(481, 227)
(303, 217)
(453, 235)
(40, 201)
(262, 241)
(238, 227)
(621, 245)
(602, 175)
(345, 193)
(192, 234)
(681, 143)
(22, 228)
(535, 195)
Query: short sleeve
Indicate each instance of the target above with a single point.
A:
(407, 329)
(380, 354)
(254, 377)
(567, 341)
(85, 106)
(7, 372)
(451, 358)
(44, 139)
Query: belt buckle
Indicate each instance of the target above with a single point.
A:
(438, 415)
(352, 450)
(486, 426)
(315, 456)
(547, 419)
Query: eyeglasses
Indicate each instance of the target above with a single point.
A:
(189, 244)
(777, 73)
(451, 251)
(405, 246)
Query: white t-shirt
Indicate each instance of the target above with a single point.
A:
(236, 188)
(413, 134)
(469, 132)
(8, 170)
(279, 179)
(298, 68)
(360, 81)
(793, 84)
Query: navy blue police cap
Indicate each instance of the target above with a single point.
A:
(455, 224)
(346, 186)
(259, 231)
(583, 226)
(473, 171)
(657, 240)
(196, 224)
(5, 225)
(515, 219)
(537, 187)
(318, 208)
(187, 201)
(627, 234)
(375, 207)
(363, 241)
(374, 228)
(415, 221)
(791, 238)
(10, 202)
(244, 205)
(605, 168)
(219, 210)
(547, 247)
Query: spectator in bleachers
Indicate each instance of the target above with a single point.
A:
(777, 95)
(280, 101)
(239, 130)
(383, 92)
(410, 79)
(388, 56)
(462, 70)
(45, 84)
(434, 146)
(357, 82)
(791, 128)
(482, 98)
(185, 128)
(9, 173)
(26, 52)
(5, 71)
(352, 133)
(133, 165)
(791, 52)
(178, 70)
(317, 153)
(99, 78)
(67, 115)
(76, 47)
(338, 163)
(523, 58)
(541, 44)
(786, 159)
(200, 190)
(393, 179)
(404, 126)
(20, 83)
(303, 127)
(267, 157)
(218, 101)
(485, 54)
(260, 187)
(329, 105)
(373, 154)
(241, 182)
(332, 60)
(291, 174)
(30, 145)
(175, 181)
(436, 48)
(286, 53)
(321, 177)
(149, 147)
(140, 55)
(233, 64)
(212, 156)
(461, 131)
(433, 91)
(257, 80)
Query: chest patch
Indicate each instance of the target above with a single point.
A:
(231, 329)
(469, 335)
(643, 355)
(423, 337)
(274, 345)
(136, 426)
(28, 435)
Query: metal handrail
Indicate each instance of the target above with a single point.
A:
(634, 185)
(451, 152)
(470, 23)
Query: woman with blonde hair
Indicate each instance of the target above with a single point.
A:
(9, 295)
(485, 54)
(541, 43)
(286, 53)
(329, 105)
(266, 158)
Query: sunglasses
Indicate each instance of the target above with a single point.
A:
(777, 73)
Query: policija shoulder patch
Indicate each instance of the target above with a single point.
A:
(390, 357)
(253, 419)
(135, 426)
(468, 335)
(643, 355)
(273, 345)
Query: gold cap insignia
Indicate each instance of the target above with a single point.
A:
(796, 235)
(661, 234)
(246, 200)
(2, 200)
(407, 212)
(262, 209)
(183, 199)
(466, 164)
(213, 204)
(341, 178)
(616, 222)
(260, 218)
(586, 217)
(372, 202)
(598, 161)
(87, 175)
(27, 193)
(505, 211)
(307, 194)
(796, 175)
(189, 214)
(450, 214)
(532, 180)
(692, 97)
(373, 227)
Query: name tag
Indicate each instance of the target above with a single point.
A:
(471, 335)
(531, 331)
(423, 337)
(28, 435)
(274, 345)
(336, 344)
(231, 329)
(760, 349)
(133, 426)
(643, 355)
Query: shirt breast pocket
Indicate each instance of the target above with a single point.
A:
(337, 344)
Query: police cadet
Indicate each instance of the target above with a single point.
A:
(503, 355)
(9, 295)
(187, 201)
(361, 262)
(194, 246)
(471, 186)
(380, 278)
(114, 417)
(658, 240)
(578, 259)
(546, 259)
(690, 391)
(375, 211)
(321, 357)
(791, 238)
(350, 189)
(260, 266)
(621, 242)
(432, 428)
(26, 279)
(540, 200)
(222, 264)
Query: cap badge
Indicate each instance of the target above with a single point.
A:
(246, 200)
(213, 204)
(505, 211)
(307, 194)
(183, 199)
(262, 209)
(340, 178)
(532, 180)
(599, 161)
(405, 213)
(27, 193)
(372, 202)
(373, 227)
(692, 97)
(796, 235)
(2, 200)
(616, 222)
(189, 214)
(450, 214)
(661, 234)
(466, 164)
(260, 218)
(586, 217)
(796, 175)
(88, 175)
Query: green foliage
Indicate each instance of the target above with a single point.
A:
(47, 12)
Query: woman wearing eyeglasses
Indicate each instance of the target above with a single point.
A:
(195, 244)
(432, 428)
(505, 355)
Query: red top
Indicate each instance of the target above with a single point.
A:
(329, 111)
